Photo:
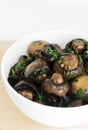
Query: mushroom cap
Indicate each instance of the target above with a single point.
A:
(75, 46)
(80, 86)
(69, 65)
(31, 68)
(35, 46)
(58, 90)
(50, 52)
(57, 78)
(24, 85)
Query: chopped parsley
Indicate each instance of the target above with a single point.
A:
(30, 58)
(71, 74)
(86, 52)
(53, 53)
(83, 71)
(85, 41)
(80, 58)
(45, 71)
(79, 93)
(13, 73)
(39, 97)
(20, 66)
(75, 80)
(19, 69)
(72, 51)
(60, 61)
(33, 77)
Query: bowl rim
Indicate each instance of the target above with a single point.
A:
(22, 97)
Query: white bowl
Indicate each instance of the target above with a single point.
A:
(52, 116)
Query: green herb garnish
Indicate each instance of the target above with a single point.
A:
(20, 66)
(53, 53)
(33, 77)
(79, 93)
(83, 71)
(72, 51)
(80, 58)
(45, 71)
(75, 80)
(85, 41)
(60, 61)
(13, 73)
(39, 97)
(30, 58)
(71, 74)
(86, 52)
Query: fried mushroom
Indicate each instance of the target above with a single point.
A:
(80, 86)
(58, 90)
(35, 47)
(50, 52)
(69, 65)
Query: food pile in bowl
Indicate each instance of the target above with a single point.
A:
(51, 75)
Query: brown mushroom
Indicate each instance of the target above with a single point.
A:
(80, 86)
(75, 46)
(35, 47)
(57, 78)
(69, 65)
(37, 71)
(33, 66)
(70, 62)
(27, 93)
(50, 52)
(78, 45)
(26, 89)
(58, 90)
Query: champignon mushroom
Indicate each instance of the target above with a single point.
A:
(57, 78)
(58, 90)
(27, 93)
(35, 47)
(70, 62)
(37, 70)
(26, 89)
(80, 86)
(50, 52)
(69, 65)
(76, 46)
